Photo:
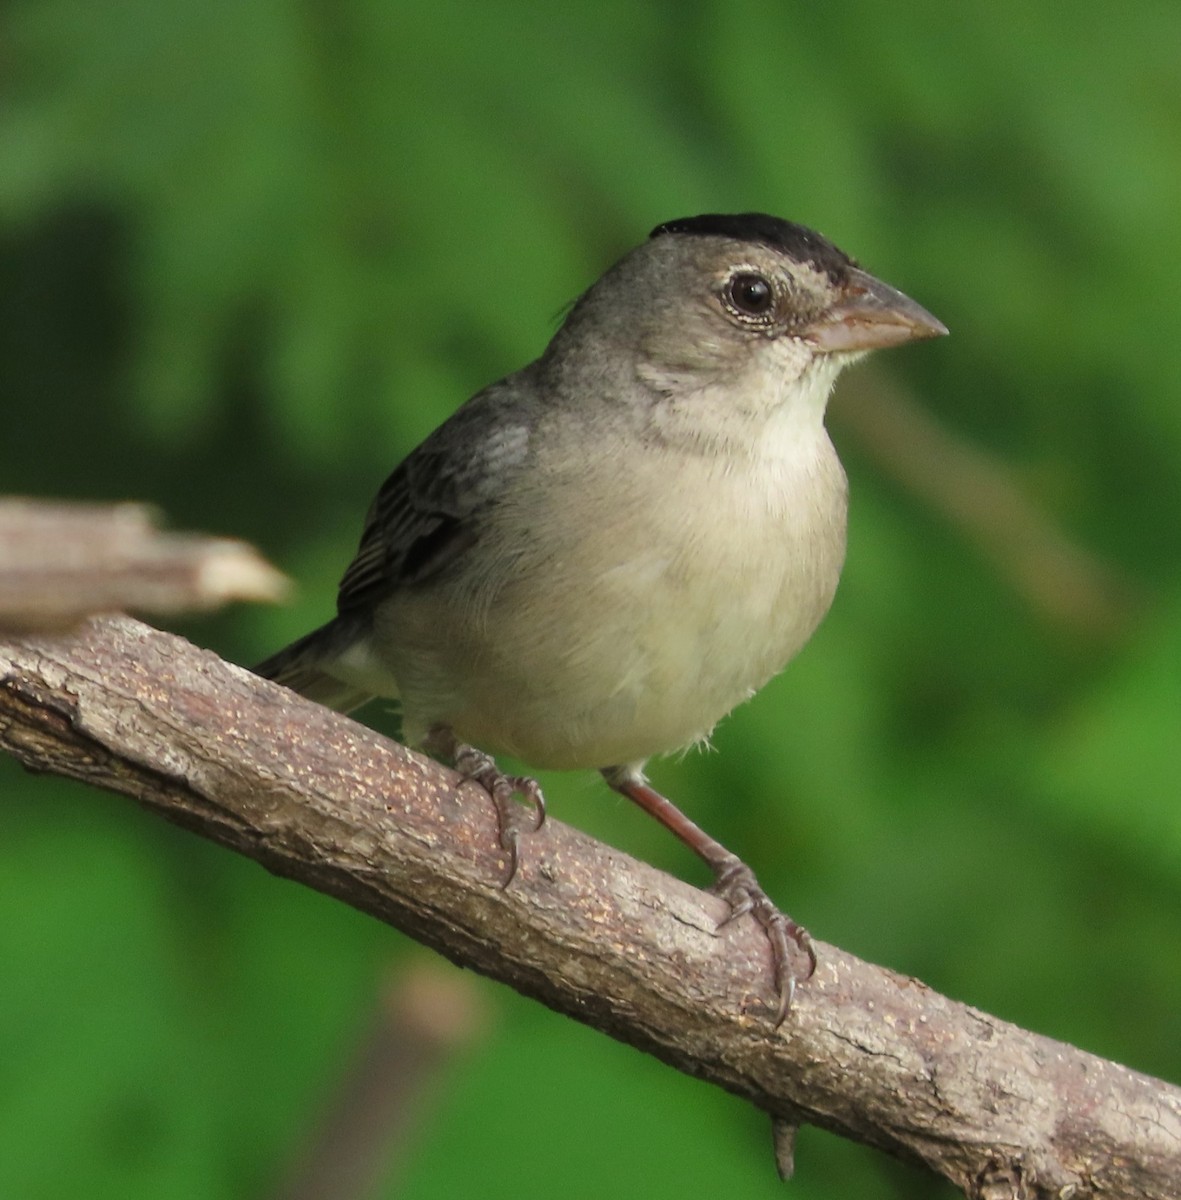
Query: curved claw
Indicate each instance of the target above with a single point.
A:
(530, 791)
(481, 768)
(736, 884)
(509, 842)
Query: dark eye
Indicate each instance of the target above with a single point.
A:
(750, 294)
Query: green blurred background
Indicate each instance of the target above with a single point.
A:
(251, 251)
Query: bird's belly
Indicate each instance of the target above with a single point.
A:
(636, 637)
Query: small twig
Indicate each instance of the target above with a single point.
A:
(425, 1015)
(1059, 579)
(874, 1056)
(62, 562)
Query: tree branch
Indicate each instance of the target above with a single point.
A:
(61, 562)
(311, 795)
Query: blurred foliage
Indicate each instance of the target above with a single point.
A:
(252, 250)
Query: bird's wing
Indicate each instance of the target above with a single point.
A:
(428, 511)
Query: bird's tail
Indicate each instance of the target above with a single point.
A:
(305, 667)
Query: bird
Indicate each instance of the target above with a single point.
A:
(595, 559)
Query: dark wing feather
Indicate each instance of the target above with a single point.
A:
(428, 511)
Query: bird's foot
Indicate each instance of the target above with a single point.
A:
(735, 882)
(510, 816)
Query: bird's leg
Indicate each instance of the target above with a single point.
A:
(734, 881)
(481, 768)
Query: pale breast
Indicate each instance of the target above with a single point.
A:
(629, 612)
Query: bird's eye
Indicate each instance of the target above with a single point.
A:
(750, 294)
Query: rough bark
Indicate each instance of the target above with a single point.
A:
(875, 1056)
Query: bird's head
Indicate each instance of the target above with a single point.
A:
(746, 311)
